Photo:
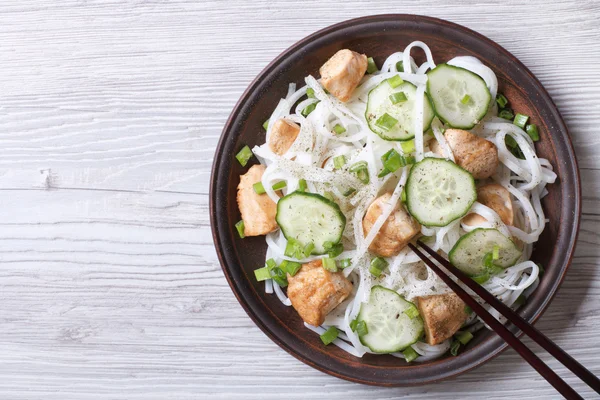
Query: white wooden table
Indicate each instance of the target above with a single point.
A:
(109, 116)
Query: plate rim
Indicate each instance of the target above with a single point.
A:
(235, 114)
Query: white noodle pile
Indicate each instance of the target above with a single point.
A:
(310, 158)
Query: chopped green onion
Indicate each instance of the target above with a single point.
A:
(463, 336)
(345, 263)
(506, 114)
(339, 161)
(410, 160)
(279, 185)
(501, 100)
(308, 109)
(361, 328)
(392, 160)
(468, 310)
(395, 81)
(532, 131)
(262, 274)
(383, 173)
(410, 354)
(333, 249)
(360, 169)
(400, 66)
(353, 325)
(483, 278)
(336, 250)
(290, 267)
(358, 166)
(397, 97)
(279, 276)
(520, 120)
(271, 263)
(496, 252)
(488, 262)
(258, 188)
(517, 152)
(310, 93)
(266, 125)
(292, 248)
(454, 347)
(488, 259)
(510, 141)
(244, 155)
(408, 146)
(375, 271)
(329, 335)
(466, 99)
(386, 122)
(378, 264)
(371, 66)
(412, 312)
(302, 185)
(339, 129)
(512, 144)
(308, 249)
(349, 192)
(241, 228)
(329, 264)
(403, 196)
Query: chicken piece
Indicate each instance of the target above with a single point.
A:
(443, 315)
(395, 233)
(314, 291)
(475, 154)
(283, 135)
(341, 74)
(496, 197)
(258, 210)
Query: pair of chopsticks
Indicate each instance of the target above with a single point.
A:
(552, 378)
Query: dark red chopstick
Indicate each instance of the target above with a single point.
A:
(541, 339)
(561, 386)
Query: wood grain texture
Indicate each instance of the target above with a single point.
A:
(109, 115)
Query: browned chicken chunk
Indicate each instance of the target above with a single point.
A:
(395, 233)
(496, 197)
(314, 291)
(258, 210)
(443, 315)
(475, 154)
(283, 135)
(342, 73)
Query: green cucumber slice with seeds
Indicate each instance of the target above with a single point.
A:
(439, 192)
(379, 103)
(310, 218)
(469, 251)
(460, 98)
(389, 328)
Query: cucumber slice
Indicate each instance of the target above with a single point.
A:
(310, 218)
(460, 98)
(469, 251)
(379, 103)
(389, 328)
(439, 192)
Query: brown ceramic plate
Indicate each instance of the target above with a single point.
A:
(379, 36)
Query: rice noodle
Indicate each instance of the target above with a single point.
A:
(310, 158)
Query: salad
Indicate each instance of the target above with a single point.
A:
(365, 159)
